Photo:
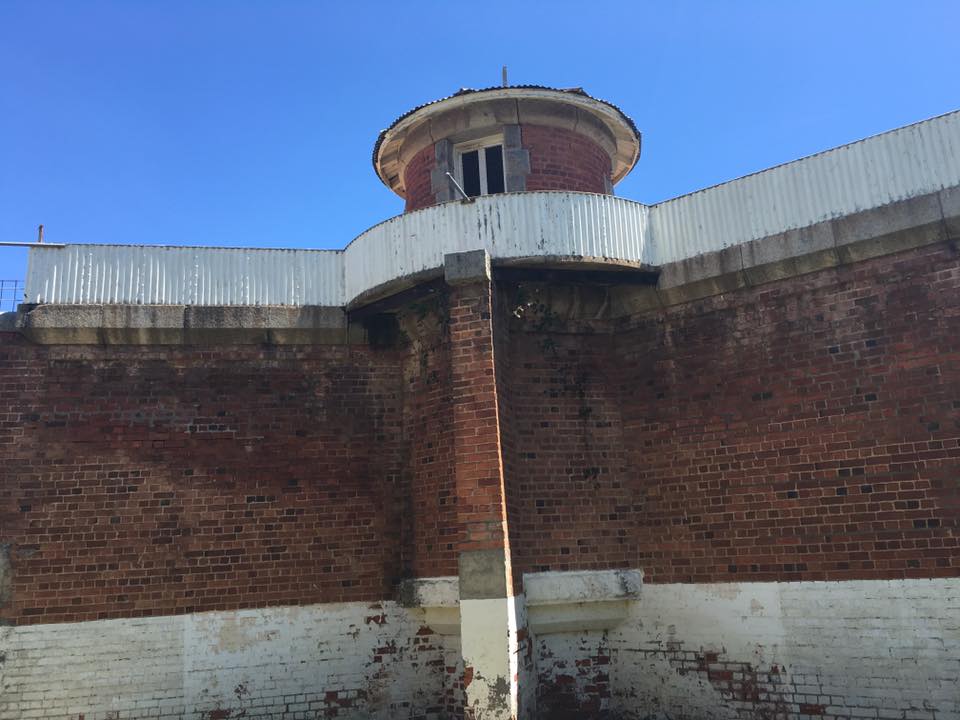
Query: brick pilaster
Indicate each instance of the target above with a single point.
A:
(488, 615)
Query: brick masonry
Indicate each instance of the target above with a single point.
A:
(765, 650)
(432, 534)
(722, 650)
(805, 430)
(347, 660)
(800, 431)
(417, 180)
(565, 160)
(156, 481)
(559, 159)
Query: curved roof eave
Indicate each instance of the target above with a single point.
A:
(579, 92)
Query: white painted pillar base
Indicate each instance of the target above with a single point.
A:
(488, 640)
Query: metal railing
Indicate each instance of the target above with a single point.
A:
(11, 294)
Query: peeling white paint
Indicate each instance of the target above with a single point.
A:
(489, 645)
(278, 661)
(853, 648)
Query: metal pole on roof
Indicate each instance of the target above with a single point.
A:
(504, 76)
(32, 244)
(463, 192)
(39, 242)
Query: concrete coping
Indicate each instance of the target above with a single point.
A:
(544, 588)
(431, 592)
(858, 237)
(579, 600)
(581, 586)
(181, 325)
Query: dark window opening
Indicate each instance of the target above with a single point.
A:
(471, 172)
(494, 169)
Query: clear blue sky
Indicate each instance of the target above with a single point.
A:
(252, 123)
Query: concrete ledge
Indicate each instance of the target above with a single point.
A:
(580, 586)
(794, 252)
(181, 325)
(440, 592)
(893, 228)
(436, 600)
(580, 600)
(707, 267)
(950, 208)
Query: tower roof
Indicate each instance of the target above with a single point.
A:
(515, 104)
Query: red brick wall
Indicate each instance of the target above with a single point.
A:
(803, 430)
(559, 160)
(807, 429)
(478, 467)
(416, 180)
(508, 412)
(568, 492)
(147, 481)
(564, 160)
(429, 517)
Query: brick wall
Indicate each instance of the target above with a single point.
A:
(565, 160)
(855, 649)
(350, 660)
(478, 469)
(416, 180)
(568, 499)
(805, 430)
(429, 517)
(508, 411)
(148, 481)
(559, 160)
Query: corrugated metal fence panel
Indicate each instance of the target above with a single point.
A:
(914, 160)
(153, 275)
(512, 225)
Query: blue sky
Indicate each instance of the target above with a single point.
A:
(252, 123)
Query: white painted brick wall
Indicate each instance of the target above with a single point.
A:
(865, 649)
(268, 663)
(858, 649)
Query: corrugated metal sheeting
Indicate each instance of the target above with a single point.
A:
(514, 225)
(912, 161)
(904, 163)
(508, 226)
(149, 275)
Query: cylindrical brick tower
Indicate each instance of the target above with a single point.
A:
(506, 139)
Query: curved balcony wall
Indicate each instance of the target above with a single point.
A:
(512, 226)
